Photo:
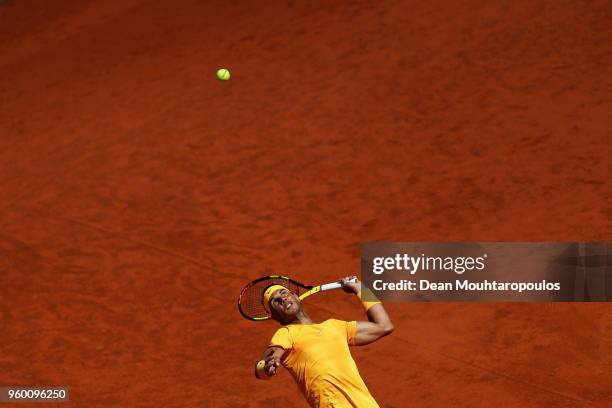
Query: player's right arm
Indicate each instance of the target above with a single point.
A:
(378, 325)
(270, 361)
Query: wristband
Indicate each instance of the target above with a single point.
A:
(260, 370)
(368, 304)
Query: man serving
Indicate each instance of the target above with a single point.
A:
(317, 354)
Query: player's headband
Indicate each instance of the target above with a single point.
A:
(268, 294)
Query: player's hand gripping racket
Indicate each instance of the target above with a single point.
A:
(250, 300)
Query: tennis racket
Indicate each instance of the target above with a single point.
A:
(250, 302)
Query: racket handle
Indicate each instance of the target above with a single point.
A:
(334, 285)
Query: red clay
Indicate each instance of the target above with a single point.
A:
(139, 194)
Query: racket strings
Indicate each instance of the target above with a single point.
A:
(251, 300)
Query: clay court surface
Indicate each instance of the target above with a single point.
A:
(139, 194)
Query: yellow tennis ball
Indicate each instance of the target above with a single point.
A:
(223, 74)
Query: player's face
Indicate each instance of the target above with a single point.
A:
(284, 304)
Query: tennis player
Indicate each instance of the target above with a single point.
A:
(317, 354)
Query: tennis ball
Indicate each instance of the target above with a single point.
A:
(223, 74)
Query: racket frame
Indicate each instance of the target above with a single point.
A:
(310, 290)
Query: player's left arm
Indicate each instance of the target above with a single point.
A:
(378, 325)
